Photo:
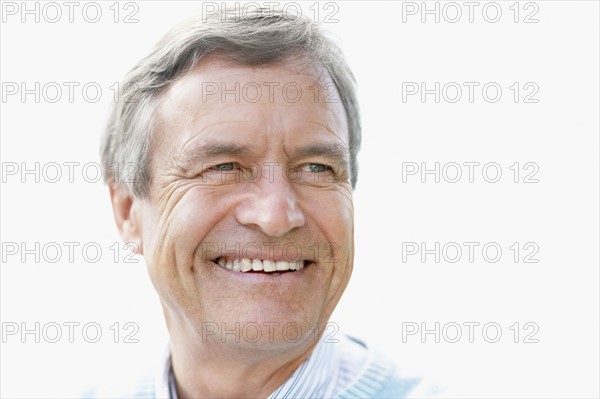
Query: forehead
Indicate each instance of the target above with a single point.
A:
(286, 96)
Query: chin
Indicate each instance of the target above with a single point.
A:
(269, 326)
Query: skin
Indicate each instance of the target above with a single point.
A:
(196, 212)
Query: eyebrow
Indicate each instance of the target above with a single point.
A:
(337, 152)
(201, 153)
(204, 152)
(216, 149)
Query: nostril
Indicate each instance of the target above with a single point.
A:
(274, 212)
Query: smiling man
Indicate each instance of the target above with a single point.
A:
(244, 134)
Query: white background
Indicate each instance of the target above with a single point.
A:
(559, 214)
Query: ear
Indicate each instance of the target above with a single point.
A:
(127, 213)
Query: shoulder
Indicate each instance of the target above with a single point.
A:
(382, 378)
(399, 385)
(147, 381)
(143, 388)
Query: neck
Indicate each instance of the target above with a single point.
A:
(214, 369)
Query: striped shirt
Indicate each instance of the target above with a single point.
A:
(341, 370)
(329, 369)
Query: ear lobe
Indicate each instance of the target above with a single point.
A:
(127, 215)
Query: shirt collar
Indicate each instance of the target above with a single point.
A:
(317, 377)
(330, 366)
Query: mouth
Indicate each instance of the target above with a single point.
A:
(245, 265)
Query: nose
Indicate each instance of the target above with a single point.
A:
(272, 207)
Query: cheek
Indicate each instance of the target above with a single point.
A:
(333, 214)
(194, 215)
(332, 211)
(174, 232)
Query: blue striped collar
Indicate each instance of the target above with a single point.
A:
(328, 370)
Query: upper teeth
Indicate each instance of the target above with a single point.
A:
(245, 265)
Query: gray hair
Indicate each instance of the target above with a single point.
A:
(254, 39)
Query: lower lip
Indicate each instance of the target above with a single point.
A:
(264, 276)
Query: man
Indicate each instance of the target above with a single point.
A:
(244, 131)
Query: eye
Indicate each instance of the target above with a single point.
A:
(223, 167)
(222, 173)
(316, 168)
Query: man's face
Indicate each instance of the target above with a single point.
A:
(257, 175)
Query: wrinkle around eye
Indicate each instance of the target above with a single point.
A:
(175, 186)
(169, 195)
